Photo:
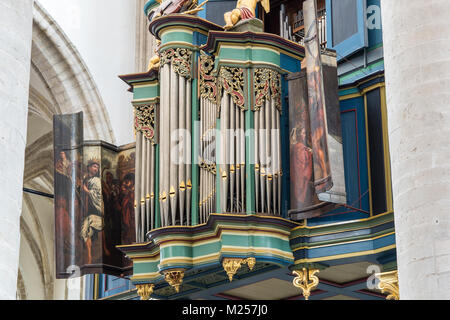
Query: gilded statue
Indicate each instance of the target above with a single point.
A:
(245, 9)
(167, 7)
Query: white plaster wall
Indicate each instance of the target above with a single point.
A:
(416, 37)
(103, 31)
(15, 51)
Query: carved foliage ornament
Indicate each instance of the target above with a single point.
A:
(232, 265)
(389, 283)
(145, 290)
(208, 81)
(306, 280)
(144, 121)
(174, 278)
(267, 84)
(232, 81)
(208, 166)
(180, 59)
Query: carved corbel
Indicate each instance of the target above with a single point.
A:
(232, 265)
(306, 280)
(388, 282)
(145, 290)
(174, 277)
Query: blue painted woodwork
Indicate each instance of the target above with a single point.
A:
(354, 42)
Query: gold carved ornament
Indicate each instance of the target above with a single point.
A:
(208, 81)
(388, 282)
(231, 79)
(209, 167)
(180, 59)
(267, 81)
(144, 121)
(232, 265)
(174, 277)
(145, 290)
(306, 280)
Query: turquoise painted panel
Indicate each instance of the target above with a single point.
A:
(177, 36)
(145, 267)
(249, 54)
(149, 92)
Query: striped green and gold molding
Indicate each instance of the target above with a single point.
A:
(198, 254)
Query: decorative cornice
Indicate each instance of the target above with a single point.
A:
(182, 20)
(136, 78)
(253, 38)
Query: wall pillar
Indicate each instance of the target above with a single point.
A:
(416, 37)
(16, 18)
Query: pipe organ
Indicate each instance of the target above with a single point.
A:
(213, 152)
(209, 124)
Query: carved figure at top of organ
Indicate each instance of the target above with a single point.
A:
(168, 7)
(175, 6)
(245, 9)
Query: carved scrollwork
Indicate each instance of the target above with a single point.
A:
(232, 265)
(231, 79)
(388, 282)
(174, 278)
(267, 83)
(181, 60)
(210, 167)
(145, 290)
(208, 81)
(144, 120)
(306, 280)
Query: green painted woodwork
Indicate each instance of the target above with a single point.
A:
(176, 35)
(249, 147)
(150, 91)
(254, 54)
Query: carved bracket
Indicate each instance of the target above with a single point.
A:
(267, 84)
(145, 290)
(174, 277)
(232, 265)
(306, 280)
(389, 283)
(181, 60)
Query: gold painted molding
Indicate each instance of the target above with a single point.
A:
(232, 265)
(306, 280)
(145, 290)
(174, 277)
(388, 282)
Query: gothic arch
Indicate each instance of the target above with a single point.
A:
(71, 85)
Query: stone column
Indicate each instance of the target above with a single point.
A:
(16, 18)
(416, 37)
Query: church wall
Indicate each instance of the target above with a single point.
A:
(103, 31)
